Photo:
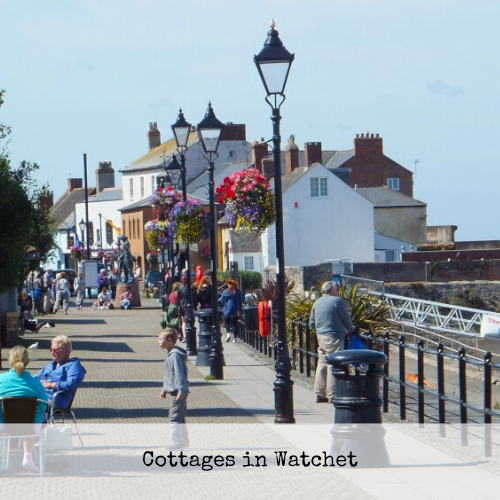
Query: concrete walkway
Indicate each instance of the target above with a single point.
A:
(124, 372)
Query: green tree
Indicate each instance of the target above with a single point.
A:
(23, 222)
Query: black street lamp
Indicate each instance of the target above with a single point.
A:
(181, 129)
(209, 132)
(172, 168)
(82, 227)
(273, 63)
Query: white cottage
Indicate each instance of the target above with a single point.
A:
(323, 219)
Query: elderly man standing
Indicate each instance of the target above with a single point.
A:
(331, 321)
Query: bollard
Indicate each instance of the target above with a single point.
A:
(358, 406)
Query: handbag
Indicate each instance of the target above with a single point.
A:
(356, 343)
(58, 437)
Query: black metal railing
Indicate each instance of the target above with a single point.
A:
(405, 384)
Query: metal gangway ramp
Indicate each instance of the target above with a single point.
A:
(436, 316)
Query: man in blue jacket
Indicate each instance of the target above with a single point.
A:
(331, 321)
(62, 373)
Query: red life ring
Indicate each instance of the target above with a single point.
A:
(199, 273)
(264, 319)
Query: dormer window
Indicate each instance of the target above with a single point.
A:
(319, 187)
(393, 183)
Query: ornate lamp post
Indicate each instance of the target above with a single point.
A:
(209, 132)
(171, 168)
(181, 129)
(82, 227)
(273, 63)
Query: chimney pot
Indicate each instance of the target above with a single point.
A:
(154, 136)
(259, 154)
(313, 153)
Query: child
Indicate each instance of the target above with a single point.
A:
(176, 384)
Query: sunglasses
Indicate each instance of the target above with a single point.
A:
(56, 349)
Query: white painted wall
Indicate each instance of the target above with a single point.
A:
(108, 209)
(384, 243)
(196, 163)
(338, 226)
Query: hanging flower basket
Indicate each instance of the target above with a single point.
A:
(190, 222)
(158, 233)
(206, 254)
(76, 252)
(163, 200)
(249, 201)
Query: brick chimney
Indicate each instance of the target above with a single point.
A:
(368, 145)
(154, 136)
(268, 167)
(313, 153)
(291, 155)
(259, 153)
(75, 184)
(46, 200)
(104, 176)
(234, 132)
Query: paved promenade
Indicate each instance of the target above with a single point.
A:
(124, 372)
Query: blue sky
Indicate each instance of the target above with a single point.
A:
(89, 76)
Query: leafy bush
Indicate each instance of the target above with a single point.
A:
(367, 311)
(252, 279)
(432, 247)
(269, 290)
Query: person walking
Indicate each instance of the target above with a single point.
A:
(176, 384)
(62, 293)
(331, 321)
(204, 293)
(102, 280)
(232, 304)
(48, 280)
(113, 281)
(79, 286)
(183, 303)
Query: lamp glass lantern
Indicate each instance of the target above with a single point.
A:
(172, 168)
(181, 129)
(82, 225)
(273, 63)
(210, 131)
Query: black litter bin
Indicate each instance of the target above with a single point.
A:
(251, 318)
(204, 336)
(358, 406)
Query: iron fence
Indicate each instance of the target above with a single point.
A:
(428, 381)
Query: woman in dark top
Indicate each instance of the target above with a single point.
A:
(183, 301)
(204, 293)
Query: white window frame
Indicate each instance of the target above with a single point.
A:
(393, 183)
(131, 187)
(249, 259)
(142, 187)
(318, 187)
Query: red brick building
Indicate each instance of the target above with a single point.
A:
(370, 167)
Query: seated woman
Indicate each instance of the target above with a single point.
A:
(103, 299)
(126, 298)
(30, 323)
(17, 382)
